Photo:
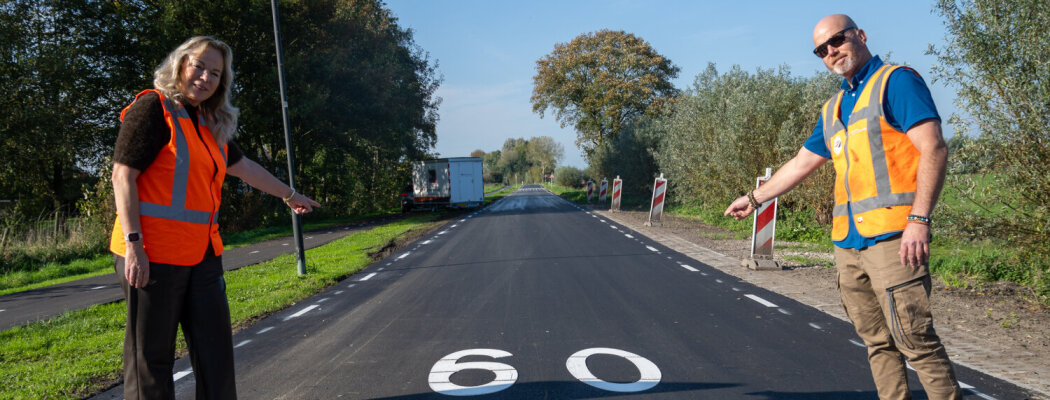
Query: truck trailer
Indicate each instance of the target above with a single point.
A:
(448, 182)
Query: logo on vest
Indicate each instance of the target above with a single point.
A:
(837, 145)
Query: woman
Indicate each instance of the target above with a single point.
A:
(173, 151)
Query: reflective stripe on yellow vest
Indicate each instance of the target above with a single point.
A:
(179, 193)
(875, 164)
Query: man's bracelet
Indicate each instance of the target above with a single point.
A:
(286, 199)
(751, 199)
(919, 219)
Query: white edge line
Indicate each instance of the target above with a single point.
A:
(242, 343)
(301, 312)
(181, 374)
(760, 300)
(690, 268)
(367, 277)
(264, 330)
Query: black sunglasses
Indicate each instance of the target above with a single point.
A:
(835, 41)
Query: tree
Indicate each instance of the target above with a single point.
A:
(601, 80)
(996, 56)
(478, 153)
(545, 153)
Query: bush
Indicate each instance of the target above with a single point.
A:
(568, 176)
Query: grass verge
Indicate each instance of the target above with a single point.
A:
(79, 353)
(56, 273)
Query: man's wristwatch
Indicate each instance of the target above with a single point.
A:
(132, 237)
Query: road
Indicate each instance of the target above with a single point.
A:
(535, 298)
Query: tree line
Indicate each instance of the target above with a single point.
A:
(521, 160)
(361, 99)
(712, 139)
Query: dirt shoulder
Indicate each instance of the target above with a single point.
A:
(992, 329)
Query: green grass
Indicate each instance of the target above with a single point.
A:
(54, 273)
(79, 353)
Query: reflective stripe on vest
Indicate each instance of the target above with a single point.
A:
(864, 180)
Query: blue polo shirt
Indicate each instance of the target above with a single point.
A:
(907, 103)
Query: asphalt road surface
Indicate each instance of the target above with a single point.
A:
(535, 298)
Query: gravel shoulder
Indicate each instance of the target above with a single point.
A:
(993, 329)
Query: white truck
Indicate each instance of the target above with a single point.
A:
(448, 182)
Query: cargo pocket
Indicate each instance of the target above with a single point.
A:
(910, 321)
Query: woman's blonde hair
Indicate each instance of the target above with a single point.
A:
(216, 109)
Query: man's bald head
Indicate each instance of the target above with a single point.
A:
(830, 25)
(841, 45)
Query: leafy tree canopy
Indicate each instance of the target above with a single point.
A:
(601, 80)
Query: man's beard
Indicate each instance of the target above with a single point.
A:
(846, 66)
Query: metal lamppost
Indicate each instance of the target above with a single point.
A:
(296, 219)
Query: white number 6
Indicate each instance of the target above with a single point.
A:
(442, 371)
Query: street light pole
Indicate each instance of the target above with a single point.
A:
(296, 219)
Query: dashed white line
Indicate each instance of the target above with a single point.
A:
(760, 300)
(242, 343)
(856, 343)
(602, 221)
(181, 374)
(404, 255)
(2, 310)
(338, 292)
(612, 226)
(783, 311)
(301, 312)
(367, 277)
(322, 300)
(442, 232)
(718, 280)
(350, 285)
(651, 248)
(284, 244)
(815, 326)
(462, 220)
(427, 241)
(736, 289)
(629, 236)
(98, 287)
(453, 226)
(703, 273)
(690, 268)
(264, 330)
(381, 268)
(256, 251)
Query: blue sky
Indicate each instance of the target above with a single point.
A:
(487, 50)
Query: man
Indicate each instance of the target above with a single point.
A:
(883, 134)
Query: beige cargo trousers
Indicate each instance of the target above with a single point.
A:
(889, 305)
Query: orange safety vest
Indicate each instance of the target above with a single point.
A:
(180, 192)
(875, 164)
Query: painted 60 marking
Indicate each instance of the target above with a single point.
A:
(506, 375)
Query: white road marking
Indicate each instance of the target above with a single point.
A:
(381, 268)
(338, 292)
(453, 226)
(284, 244)
(350, 285)
(703, 273)
(690, 268)
(367, 277)
(301, 312)
(442, 232)
(815, 326)
(602, 221)
(651, 248)
(612, 226)
(98, 287)
(322, 300)
(427, 242)
(2, 310)
(718, 280)
(254, 252)
(181, 374)
(736, 289)
(760, 300)
(783, 311)
(462, 220)
(404, 255)
(264, 330)
(856, 343)
(242, 343)
(668, 257)
(629, 236)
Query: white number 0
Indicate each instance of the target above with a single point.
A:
(441, 372)
(506, 375)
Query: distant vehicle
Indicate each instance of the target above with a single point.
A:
(447, 182)
(406, 198)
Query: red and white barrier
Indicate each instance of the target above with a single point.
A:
(590, 191)
(602, 191)
(616, 190)
(763, 230)
(656, 208)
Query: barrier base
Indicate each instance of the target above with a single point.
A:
(759, 264)
(654, 223)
